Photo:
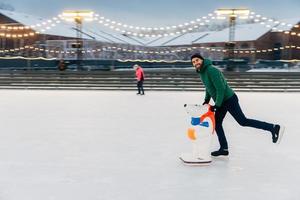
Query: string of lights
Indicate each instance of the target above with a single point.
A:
(17, 31)
(132, 30)
(46, 24)
(185, 27)
(139, 31)
(26, 58)
(275, 23)
(12, 35)
(157, 52)
(154, 31)
(162, 31)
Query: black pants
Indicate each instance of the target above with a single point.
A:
(233, 107)
(140, 87)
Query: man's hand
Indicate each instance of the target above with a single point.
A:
(205, 102)
(214, 108)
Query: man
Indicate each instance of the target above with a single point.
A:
(226, 100)
(61, 65)
(139, 73)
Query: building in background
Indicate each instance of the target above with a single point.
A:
(27, 35)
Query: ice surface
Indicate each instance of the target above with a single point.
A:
(75, 145)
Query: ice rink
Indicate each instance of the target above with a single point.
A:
(95, 145)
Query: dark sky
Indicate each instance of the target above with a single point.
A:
(156, 12)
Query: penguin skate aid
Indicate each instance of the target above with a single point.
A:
(199, 132)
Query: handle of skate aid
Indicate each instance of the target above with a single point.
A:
(191, 132)
(211, 116)
(200, 120)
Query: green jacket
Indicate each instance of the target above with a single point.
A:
(215, 84)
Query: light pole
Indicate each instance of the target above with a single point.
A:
(232, 14)
(78, 16)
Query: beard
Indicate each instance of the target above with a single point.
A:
(198, 67)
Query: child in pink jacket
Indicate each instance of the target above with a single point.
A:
(139, 73)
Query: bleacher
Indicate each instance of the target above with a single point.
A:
(156, 80)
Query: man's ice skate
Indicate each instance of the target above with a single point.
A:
(220, 152)
(277, 133)
(200, 134)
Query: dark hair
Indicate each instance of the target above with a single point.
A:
(197, 55)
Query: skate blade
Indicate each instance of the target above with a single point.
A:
(281, 132)
(221, 158)
(195, 163)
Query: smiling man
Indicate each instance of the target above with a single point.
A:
(225, 99)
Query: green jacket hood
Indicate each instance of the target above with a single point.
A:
(206, 63)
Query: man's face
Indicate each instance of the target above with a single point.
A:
(197, 63)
